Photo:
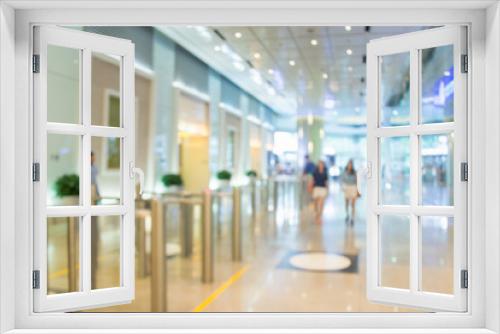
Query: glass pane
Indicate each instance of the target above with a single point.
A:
(63, 84)
(63, 169)
(436, 156)
(105, 171)
(437, 84)
(63, 253)
(105, 251)
(394, 171)
(105, 90)
(395, 89)
(437, 254)
(394, 251)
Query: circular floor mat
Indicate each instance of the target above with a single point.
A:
(319, 261)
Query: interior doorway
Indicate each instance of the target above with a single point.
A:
(193, 130)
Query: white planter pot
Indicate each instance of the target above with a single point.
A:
(173, 189)
(68, 200)
(224, 184)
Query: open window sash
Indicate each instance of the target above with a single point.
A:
(399, 120)
(62, 77)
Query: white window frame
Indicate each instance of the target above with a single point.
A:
(411, 44)
(86, 296)
(482, 315)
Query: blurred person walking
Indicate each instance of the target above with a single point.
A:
(319, 190)
(349, 182)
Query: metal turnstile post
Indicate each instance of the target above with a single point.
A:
(275, 195)
(264, 194)
(186, 229)
(207, 257)
(158, 260)
(140, 240)
(236, 232)
(73, 273)
(253, 200)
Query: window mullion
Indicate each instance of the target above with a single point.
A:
(85, 182)
(414, 172)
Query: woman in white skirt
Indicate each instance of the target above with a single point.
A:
(320, 189)
(349, 182)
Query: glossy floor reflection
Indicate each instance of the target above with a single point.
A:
(266, 280)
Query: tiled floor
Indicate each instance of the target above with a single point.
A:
(266, 283)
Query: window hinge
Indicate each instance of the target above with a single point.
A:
(465, 64)
(36, 172)
(464, 171)
(464, 279)
(36, 279)
(36, 63)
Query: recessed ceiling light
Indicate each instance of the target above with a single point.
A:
(217, 48)
(270, 71)
(325, 76)
(349, 68)
(271, 91)
(447, 73)
(329, 104)
(348, 52)
(348, 28)
(314, 42)
(239, 66)
(256, 55)
(238, 34)
(292, 62)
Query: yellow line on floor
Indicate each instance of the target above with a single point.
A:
(221, 289)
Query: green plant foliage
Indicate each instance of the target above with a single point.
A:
(251, 173)
(172, 180)
(224, 175)
(67, 185)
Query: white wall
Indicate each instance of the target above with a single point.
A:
(492, 200)
(7, 168)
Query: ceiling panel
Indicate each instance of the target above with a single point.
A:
(304, 82)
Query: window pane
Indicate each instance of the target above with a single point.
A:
(63, 84)
(105, 90)
(105, 171)
(394, 171)
(437, 254)
(436, 156)
(394, 251)
(63, 169)
(437, 84)
(105, 251)
(395, 89)
(63, 249)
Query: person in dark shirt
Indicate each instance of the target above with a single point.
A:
(320, 189)
(309, 166)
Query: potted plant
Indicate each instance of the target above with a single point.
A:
(173, 182)
(224, 178)
(252, 174)
(67, 188)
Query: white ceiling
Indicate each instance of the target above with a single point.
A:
(300, 89)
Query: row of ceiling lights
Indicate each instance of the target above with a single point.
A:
(329, 103)
(291, 62)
